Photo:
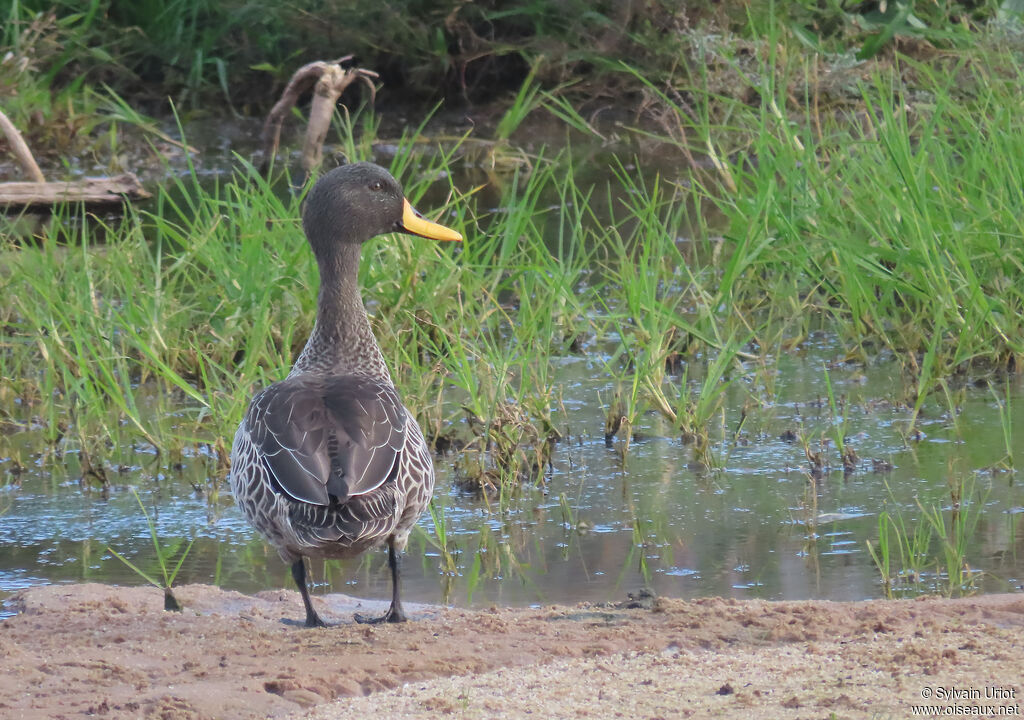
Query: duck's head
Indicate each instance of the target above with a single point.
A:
(354, 203)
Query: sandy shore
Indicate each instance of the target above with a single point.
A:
(76, 651)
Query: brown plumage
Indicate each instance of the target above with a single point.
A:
(329, 462)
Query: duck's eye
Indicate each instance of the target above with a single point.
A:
(376, 185)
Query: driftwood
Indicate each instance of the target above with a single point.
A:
(328, 81)
(93, 191)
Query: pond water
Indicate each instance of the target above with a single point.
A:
(603, 523)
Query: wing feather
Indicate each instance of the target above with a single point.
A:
(324, 441)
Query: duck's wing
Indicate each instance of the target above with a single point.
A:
(324, 441)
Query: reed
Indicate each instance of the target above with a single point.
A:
(165, 555)
(933, 549)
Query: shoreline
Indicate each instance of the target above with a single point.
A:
(97, 650)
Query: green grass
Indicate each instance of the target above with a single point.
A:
(1005, 407)
(164, 556)
(929, 553)
(894, 227)
(60, 110)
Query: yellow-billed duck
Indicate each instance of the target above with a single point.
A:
(329, 462)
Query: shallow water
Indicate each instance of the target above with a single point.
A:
(599, 527)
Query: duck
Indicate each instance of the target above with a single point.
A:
(329, 463)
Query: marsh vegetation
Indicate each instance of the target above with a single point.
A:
(778, 300)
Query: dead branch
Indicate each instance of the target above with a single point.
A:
(20, 149)
(328, 81)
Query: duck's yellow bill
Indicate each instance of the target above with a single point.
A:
(416, 224)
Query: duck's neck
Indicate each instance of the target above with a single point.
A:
(341, 342)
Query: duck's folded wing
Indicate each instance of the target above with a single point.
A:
(324, 441)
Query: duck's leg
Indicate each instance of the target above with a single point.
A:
(395, 613)
(299, 574)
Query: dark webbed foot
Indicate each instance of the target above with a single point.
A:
(393, 615)
(315, 620)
